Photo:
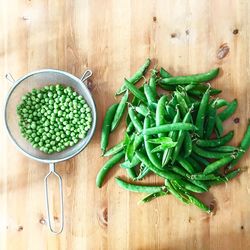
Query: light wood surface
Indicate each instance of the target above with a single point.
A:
(113, 38)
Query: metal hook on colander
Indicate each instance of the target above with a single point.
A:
(53, 171)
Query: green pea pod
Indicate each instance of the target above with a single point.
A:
(202, 177)
(130, 128)
(153, 196)
(190, 186)
(131, 173)
(148, 146)
(164, 73)
(176, 192)
(170, 111)
(226, 148)
(185, 80)
(199, 159)
(135, 120)
(218, 127)
(163, 147)
(138, 188)
(215, 142)
(214, 166)
(162, 173)
(107, 166)
(152, 83)
(187, 145)
(220, 103)
(196, 165)
(181, 136)
(136, 77)
(119, 111)
(225, 179)
(186, 165)
(135, 91)
(182, 103)
(244, 145)
(201, 113)
(142, 109)
(151, 97)
(106, 126)
(160, 112)
(173, 135)
(211, 119)
(143, 172)
(115, 149)
(130, 164)
(229, 110)
(169, 127)
(209, 154)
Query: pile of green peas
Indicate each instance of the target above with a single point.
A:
(53, 118)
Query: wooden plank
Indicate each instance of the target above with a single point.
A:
(113, 38)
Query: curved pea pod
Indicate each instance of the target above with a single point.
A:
(215, 142)
(225, 179)
(220, 103)
(152, 82)
(135, 91)
(184, 80)
(170, 111)
(153, 196)
(172, 134)
(244, 146)
(229, 110)
(201, 113)
(187, 145)
(107, 166)
(199, 159)
(136, 77)
(138, 188)
(143, 172)
(211, 119)
(135, 120)
(115, 149)
(119, 111)
(218, 127)
(214, 166)
(209, 154)
(180, 137)
(160, 172)
(164, 73)
(106, 126)
(169, 127)
(130, 164)
(182, 103)
(176, 192)
(148, 146)
(160, 112)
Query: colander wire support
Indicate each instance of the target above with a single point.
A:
(53, 171)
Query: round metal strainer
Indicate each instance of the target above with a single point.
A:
(25, 84)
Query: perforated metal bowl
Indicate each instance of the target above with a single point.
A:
(39, 79)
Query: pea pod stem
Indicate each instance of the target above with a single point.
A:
(136, 77)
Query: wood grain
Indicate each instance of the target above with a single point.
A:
(113, 38)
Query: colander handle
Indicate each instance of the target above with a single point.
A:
(87, 74)
(10, 78)
(53, 171)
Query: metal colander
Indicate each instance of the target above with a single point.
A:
(39, 79)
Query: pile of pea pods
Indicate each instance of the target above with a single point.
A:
(176, 134)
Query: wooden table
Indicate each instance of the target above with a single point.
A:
(113, 38)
